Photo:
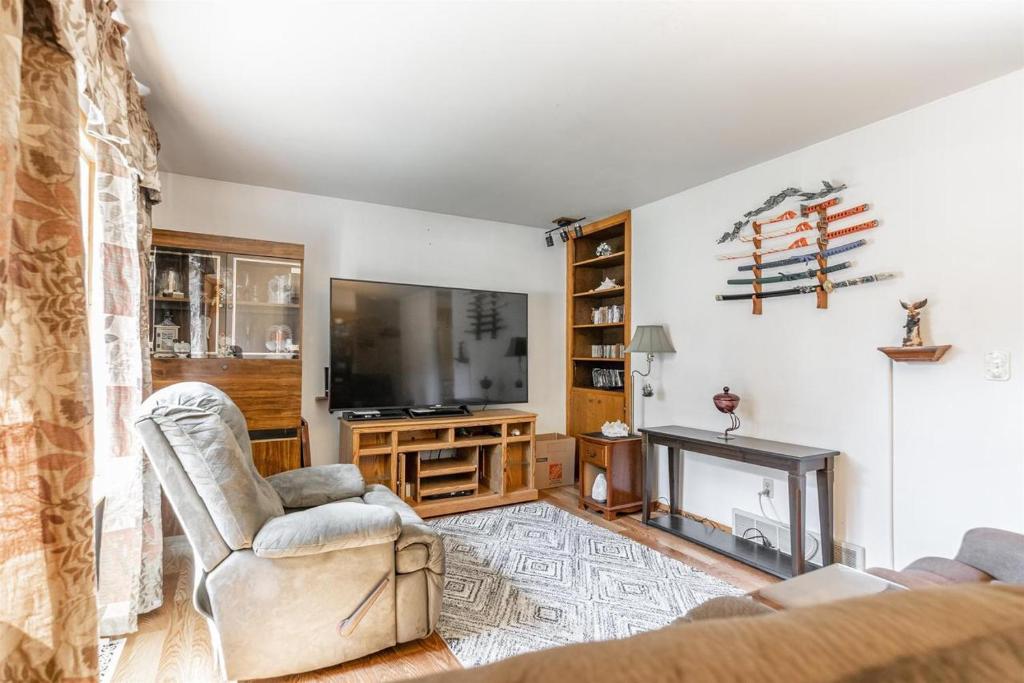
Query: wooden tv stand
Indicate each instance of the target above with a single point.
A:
(449, 464)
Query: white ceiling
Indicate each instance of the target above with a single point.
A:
(521, 111)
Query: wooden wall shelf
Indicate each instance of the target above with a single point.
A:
(601, 293)
(915, 354)
(616, 259)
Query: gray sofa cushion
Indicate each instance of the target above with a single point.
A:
(952, 571)
(996, 552)
(334, 526)
(238, 499)
(312, 486)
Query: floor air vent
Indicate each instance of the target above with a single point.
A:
(761, 529)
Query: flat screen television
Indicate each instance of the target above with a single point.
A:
(407, 346)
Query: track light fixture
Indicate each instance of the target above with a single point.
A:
(564, 225)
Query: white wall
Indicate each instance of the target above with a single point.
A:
(946, 181)
(374, 242)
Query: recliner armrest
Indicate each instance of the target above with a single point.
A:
(335, 526)
(311, 486)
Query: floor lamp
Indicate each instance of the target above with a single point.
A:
(648, 339)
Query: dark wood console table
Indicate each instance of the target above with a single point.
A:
(795, 460)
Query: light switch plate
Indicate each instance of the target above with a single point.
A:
(997, 366)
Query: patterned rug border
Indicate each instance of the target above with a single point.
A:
(532, 576)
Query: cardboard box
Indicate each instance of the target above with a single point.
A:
(555, 461)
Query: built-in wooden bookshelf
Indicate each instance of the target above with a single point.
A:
(445, 465)
(589, 406)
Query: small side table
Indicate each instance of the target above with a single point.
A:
(620, 460)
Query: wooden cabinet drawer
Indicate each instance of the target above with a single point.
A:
(594, 454)
(268, 392)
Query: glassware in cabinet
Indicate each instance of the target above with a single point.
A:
(264, 314)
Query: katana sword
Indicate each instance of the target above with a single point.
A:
(787, 277)
(784, 216)
(776, 199)
(805, 258)
(803, 226)
(807, 289)
(801, 242)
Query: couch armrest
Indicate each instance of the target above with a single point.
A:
(311, 486)
(335, 526)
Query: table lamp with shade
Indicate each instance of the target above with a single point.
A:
(517, 350)
(648, 339)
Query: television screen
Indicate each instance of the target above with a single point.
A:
(395, 345)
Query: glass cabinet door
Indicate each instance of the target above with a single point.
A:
(186, 301)
(263, 316)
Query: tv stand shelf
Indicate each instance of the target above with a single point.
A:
(446, 465)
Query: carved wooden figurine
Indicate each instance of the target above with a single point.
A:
(913, 324)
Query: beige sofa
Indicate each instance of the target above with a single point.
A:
(960, 633)
(305, 569)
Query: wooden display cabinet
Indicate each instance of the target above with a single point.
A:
(445, 465)
(238, 305)
(589, 405)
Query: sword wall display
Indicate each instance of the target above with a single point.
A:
(815, 236)
(804, 225)
(775, 200)
(805, 258)
(789, 277)
(801, 242)
(828, 286)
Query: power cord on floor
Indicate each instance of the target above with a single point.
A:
(761, 495)
(761, 537)
(697, 518)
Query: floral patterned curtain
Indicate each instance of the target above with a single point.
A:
(56, 56)
(47, 595)
(131, 571)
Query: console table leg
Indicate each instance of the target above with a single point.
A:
(797, 513)
(673, 480)
(825, 512)
(646, 458)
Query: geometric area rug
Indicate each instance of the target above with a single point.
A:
(532, 576)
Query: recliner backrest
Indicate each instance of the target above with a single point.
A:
(197, 439)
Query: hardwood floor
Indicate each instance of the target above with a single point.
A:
(173, 643)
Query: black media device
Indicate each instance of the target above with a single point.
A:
(400, 350)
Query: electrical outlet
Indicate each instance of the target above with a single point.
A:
(997, 366)
(768, 487)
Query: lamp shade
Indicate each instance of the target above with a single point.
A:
(516, 347)
(650, 339)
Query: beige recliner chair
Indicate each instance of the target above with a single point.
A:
(302, 570)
